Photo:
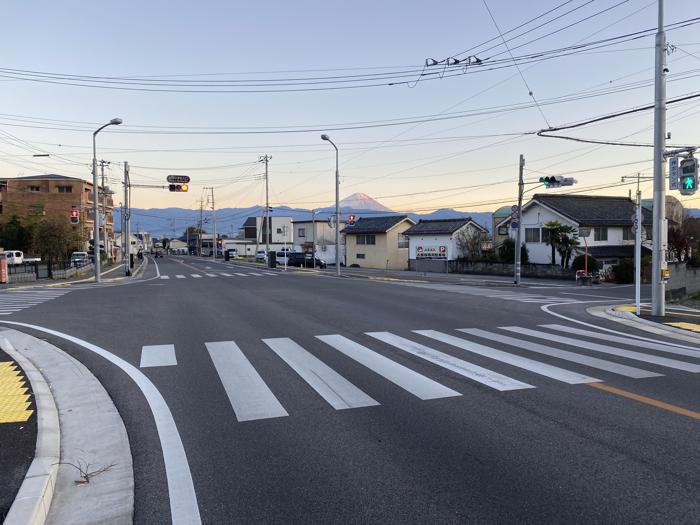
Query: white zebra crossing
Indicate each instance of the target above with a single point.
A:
(251, 398)
(220, 274)
(12, 301)
(506, 295)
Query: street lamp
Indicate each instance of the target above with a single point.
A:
(337, 206)
(95, 199)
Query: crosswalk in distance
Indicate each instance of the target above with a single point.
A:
(494, 293)
(506, 363)
(12, 301)
(209, 274)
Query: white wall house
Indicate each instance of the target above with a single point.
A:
(325, 238)
(438, 239)
(280, 228)
(608, 218)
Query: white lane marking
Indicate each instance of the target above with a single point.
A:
(413, 382)
(661, 347)
(249, 395)
(270, 273)
(226, 274)
(196, 275)
(183, 499)
(211, 275)
(157, 355)
(594, 362)
(207, 267)
(179, 276)
(553, 372)
(580, 343)
(241, 274)
(256, 274)
(329, 384)
(165, 277)
(456, 365)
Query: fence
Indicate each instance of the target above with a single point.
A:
(31, 271)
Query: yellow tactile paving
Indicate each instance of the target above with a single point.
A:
(14, 399)
(686, 326)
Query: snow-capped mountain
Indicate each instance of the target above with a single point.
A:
(362, 201)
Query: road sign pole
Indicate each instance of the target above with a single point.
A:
(518, 236)
(638, 255)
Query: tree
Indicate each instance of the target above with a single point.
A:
(554, 229)
(506, 252)
(469, 242)
(567, 242)
(678, 244)
(579, 263)
(54, 239)
(16, 236)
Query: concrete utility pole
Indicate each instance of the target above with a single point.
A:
(658, 285)
(127, 219)
(313, 230)
(266, 160)
(104, 163)
(213, 220)
(518, 236)
(201, 226)
(638, 252)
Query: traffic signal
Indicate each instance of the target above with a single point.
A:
(179, 187)
(688, 182)
(75, 216)
(557, 181)
(351, 219)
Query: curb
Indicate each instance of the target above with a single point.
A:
(91, 434)
(33, 500)
(629, 319)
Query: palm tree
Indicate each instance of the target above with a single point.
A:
(554, 228)
(567, 242)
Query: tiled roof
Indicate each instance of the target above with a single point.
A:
(50, 176)
(594, 210)
(439, 226)
(618, 251)
(375, 224)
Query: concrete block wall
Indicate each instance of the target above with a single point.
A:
(21, 277)
(683, 282)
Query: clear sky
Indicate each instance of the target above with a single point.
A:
(406, 167)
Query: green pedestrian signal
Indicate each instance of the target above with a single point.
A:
(689, 183)
(689, 176)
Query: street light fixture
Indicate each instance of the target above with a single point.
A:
(337, 206)
(95, 199)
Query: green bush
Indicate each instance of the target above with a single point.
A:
(624, 271)
(506, 252)
(580, 263)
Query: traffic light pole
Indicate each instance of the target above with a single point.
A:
(658, 290)
(127, 220)
(518, 236)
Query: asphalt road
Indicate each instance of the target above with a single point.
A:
(272, 435)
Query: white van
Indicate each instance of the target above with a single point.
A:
(14, 257)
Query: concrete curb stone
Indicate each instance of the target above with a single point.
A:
(629, 319)
(91, 432)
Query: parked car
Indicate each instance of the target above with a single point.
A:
(14, 257)
(158, 253)
(260, 255)
(79, 258)
(304, 260)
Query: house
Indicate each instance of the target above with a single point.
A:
(54, 197)
(378, 242)
(278, 232)
(446, 239)
(500, 233)
(320, 232)
(609, 220)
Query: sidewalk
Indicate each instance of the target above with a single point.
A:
(679, 317)
(114, 277)
(18, 430)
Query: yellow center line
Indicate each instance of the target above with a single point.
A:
(646, 400)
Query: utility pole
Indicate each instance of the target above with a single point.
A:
(127, 219)
(658, 285)
(266, 159)
(518, 236)
(313, 229)
(201, 226)
(104, 209)
(213, 216)
(638, 252)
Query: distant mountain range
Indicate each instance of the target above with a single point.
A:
(173, 221)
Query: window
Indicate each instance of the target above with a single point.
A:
(301, 232)
(403, 241)
(503, 230)
(3, 185)
(65, 189)
(360, 255)
(648, 230)
(546, 232)
(627, 234)
(532, 235)
(0, 207)
(34, 188)
(279, 230)
(600, 233)
(366, 239)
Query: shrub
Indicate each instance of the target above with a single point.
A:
(506, 252)
(624, 271)
(580, 263)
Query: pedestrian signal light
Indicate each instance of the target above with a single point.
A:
(688, 183)
(74, 216)
(179, 187)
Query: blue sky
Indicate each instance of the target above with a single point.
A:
(249, 40)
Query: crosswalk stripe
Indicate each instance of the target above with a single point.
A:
(413, 382)
(210, 275)
(157, 355)
(553, 372)
(456, 365)
(196, 275)
(256, 274)
(580, 343)
(248, 394)
(165, 277)
(241, 274)
(331, 386)
(179, 276)
(594, 362)
(617, 339)
(420, 386)
(226, 274)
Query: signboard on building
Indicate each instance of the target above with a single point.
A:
(431, 252)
